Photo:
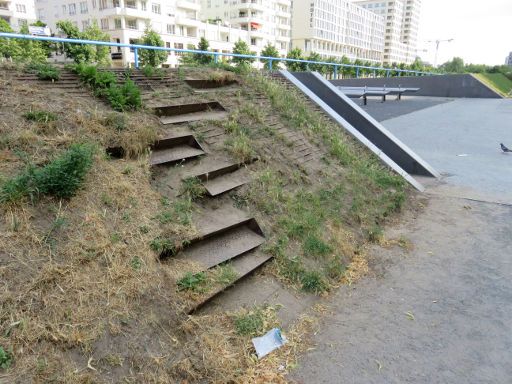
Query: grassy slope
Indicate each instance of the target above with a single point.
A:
(82, 284)
(497, 81)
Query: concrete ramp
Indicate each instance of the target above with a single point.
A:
(361, 125)
(466, 85)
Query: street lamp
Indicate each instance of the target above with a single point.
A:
(438, 41)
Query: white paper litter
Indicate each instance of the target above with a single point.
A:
(271, 340)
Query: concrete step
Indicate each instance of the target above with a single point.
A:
(175, 148)
(174, 114)
(208, 84)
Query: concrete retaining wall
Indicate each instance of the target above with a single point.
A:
(437, 86)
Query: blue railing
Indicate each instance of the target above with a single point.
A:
(135, 47)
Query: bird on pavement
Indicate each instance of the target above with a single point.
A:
(504, 149)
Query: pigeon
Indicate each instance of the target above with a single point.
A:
(504, 149)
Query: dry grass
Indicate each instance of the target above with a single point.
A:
(84, 298)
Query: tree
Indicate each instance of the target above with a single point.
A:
(270, 51)
(296, 54)
(48, 46)
(241, 48)
(456, 65)
(85, 53)
(31, 50)
(203, 45)
(313, 56)
(8, 47)
(152, 57)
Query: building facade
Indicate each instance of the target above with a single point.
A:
(337, 28)
(508, 60)
(17, 12)
(177, 21)
(266, 21)
(401, 19)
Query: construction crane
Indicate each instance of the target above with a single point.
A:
(438, 41)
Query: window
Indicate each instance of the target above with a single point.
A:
(131, 23)
(103, 4)
(104, 24)
(85, 24)
(22, 22)
(179, 46)
(156, 8)
(21, 8)
(117, 24)
(130, 4)
(94, 4)
(83, 7)
(253, 41)
(170, 29)
(72, 9)
(144, 5)
(64, 9)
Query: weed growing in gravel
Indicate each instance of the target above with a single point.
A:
(250, 323)
(5, 359)
(192, 282)
(313, 281)
(40, 116)
(193, 188)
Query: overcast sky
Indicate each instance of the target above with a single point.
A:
(481, 29)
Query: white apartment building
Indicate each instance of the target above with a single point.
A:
(177, 21)
(402, 19)
(508, 59)
(337, 28)
(266, 21)
(17, 12)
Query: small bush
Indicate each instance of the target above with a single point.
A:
(164, 247)
(60, 178)
(148, 71)
(250, 324)
(5, 359)
(44, 71)
(40, 116)
(124, 97)
(192, 282)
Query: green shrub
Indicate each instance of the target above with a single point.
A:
(5, 359)
(40, 116)
(148, 71)
(116, 121)
(192, 281)
(250, 324)
(44, 71)
(313, 281)
(60, 178)
(124, 97)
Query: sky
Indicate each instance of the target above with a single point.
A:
(482, 30)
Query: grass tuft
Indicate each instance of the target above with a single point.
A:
(250, 323)
(40, 116)
(192, 282)
(5, 359)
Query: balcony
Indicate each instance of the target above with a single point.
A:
(129, 12)
(184, 20)
(284, 2)
(247, 20)
(188, 4)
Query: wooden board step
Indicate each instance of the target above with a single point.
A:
(174, 114)
(242, 266)
(224, 178)
(224, 246)
(175, 148)
(209, 84)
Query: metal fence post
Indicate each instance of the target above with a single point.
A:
(136, 55)
(270, 65)
(215, 58)
(335, 72)
(357, 72)
(387, 73)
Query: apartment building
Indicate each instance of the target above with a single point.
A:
(402, 19)
(17, 12)
(508, 60)
(337, 28)
(266, 21)
(177, 21)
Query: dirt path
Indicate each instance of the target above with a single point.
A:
(440, 313)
